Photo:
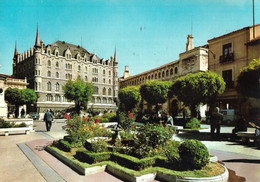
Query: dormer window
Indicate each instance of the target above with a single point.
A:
(57, 54)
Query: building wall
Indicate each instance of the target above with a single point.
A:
(240, 55)
(6, 81)
(48, 68)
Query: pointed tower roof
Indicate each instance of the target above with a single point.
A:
(37, 40)
(15, 50)
(115, 59)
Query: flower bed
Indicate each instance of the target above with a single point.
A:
(143, 151)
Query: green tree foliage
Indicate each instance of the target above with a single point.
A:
(78, 91)
(19, 97)
(195, 88)
(155, 92)
(129, 97)
(248, 80)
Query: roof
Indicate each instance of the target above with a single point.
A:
(254, 42)
(74, 49)
(154, 69)
(245, 28)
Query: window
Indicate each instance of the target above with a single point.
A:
(171, 71)
(49, 74)
(159, 75)
(57, 98)
(167, 73)
(49, 97)
(98, 100)
(49, 52)
(49, 63)
(57, 87)
(94, 79)
(79, 67)
(109, 73)
(49, 86)
(86, 78)
(109, 81)
(93, 100)
(57, 54)
(227, 76)
(104, 100)
(227, 54)
(57, 64)
(163, 74)
(104, 80)
(57, 75)
(86, 68)
(227, 49)
(155, 76)
(109, 91)
(95, 90)
(104, 91)
(104, 72)
(175, 70)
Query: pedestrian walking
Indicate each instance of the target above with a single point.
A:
(48, 117)
(216, 119)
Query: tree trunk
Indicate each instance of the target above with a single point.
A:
(16, 111)
(193, 111)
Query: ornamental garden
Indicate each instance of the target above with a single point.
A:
(143, 150)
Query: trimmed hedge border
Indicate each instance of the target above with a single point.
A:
(130, 177)
(91, 158)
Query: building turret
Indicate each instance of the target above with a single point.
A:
(126, 72)
(115, 59)
(37, 40)
(189, 44)
(15, 54)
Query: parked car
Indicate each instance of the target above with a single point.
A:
(34, 115)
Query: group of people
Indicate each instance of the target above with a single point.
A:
(163, 118)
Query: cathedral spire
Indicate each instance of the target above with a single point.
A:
(37, 40)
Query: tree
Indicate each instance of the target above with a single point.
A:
(129, 97)
(155, 92)
(19, 97)
(78, 91)
(248, 82)
(195, 88)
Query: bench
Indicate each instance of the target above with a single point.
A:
(246, 135)
(26, 130)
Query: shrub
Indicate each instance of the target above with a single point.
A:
(172, 152)
(193, 154)
(194, 123)
(99, 145)
(126, 121)
(5, 124)
(150, 140)
(76, 129)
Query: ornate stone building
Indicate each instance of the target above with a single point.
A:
(48, 67)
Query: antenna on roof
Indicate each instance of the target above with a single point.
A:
(191, 25)
(253, 2)
(81, 42)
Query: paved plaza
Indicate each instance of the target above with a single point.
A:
(23, 158)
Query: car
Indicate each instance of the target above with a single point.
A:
(34, 115)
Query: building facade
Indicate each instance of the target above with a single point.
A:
(48, 67)
(228, 54)
(194, 59)
(7, 81)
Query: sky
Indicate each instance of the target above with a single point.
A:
(145, 33)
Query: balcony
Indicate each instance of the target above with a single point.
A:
(226, 58)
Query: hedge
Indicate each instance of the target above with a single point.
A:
(64, 145)
(85, 156)
(132, 162)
